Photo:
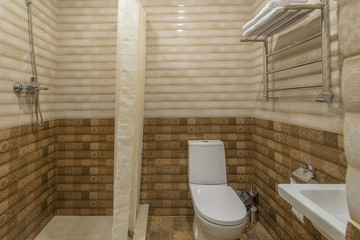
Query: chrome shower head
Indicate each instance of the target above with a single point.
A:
(28, 2)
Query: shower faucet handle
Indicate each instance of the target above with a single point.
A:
(17, 87)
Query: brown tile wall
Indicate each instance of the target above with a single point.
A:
(85, 167)
(265, 150)
(352, 233)
(279, 150)
(27, 161)
(164, 183)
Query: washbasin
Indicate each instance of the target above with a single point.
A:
(323, 204)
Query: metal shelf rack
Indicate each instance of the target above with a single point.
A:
(289, 16)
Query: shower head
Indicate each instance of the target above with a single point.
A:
(28, 2)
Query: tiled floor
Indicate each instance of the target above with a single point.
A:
(159, 228)
(77, 228)
(180, 228)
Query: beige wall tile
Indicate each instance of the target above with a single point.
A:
(349, 27)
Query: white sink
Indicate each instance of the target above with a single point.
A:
(323, 204)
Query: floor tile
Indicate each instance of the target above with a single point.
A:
(89, 228)
(77, 228)
(108, 230)
(58, 228)
(183, 235)
(180, 228)
(183, 223)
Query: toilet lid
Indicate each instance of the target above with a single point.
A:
(218, 204)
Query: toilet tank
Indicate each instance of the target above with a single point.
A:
(206, 162)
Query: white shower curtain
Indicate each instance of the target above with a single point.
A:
(129, 115)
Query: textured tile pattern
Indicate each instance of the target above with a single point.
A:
(164, 183)
(16, 109)
(279, 150)
(86, 70)
(352, 233)
(77, 228)
(27, 161)
(349, 27)
(350, 92)
(298, 107)
(195, 66)
(180, 228)
(85, 162)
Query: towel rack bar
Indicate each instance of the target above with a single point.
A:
(280, 24)
(262, 29)
(284, 18)
(291, 88)
(286, 24)
(296, 7)
(249, 40)
(294, 45)
(295, 66)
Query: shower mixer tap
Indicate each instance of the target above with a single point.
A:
(33, 87)
(28, 2)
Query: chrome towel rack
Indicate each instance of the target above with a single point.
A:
(289, 16)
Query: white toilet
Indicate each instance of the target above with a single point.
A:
(219, 212)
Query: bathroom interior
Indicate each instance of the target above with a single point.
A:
(118, 116)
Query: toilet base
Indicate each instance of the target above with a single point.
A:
(205, 230)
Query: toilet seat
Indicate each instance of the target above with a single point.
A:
(218, 204)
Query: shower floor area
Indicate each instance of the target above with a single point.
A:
(77, 228)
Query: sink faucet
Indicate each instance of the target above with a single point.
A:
(311, 169)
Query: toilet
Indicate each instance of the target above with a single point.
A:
(219, 212)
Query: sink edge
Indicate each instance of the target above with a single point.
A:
(320, 217)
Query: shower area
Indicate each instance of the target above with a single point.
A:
(70, 71)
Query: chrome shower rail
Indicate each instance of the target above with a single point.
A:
(290, 15)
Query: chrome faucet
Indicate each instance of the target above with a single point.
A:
(311, 169)
(32, 87)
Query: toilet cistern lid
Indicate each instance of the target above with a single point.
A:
(218, 204)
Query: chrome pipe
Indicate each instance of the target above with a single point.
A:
(249, 40)
(326, 95)
(297, 7)
(277, 26)
(297, 87)
(287, 24)
(266, 76)
(295, 66)
(259, 30)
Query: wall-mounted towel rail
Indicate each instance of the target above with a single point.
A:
(290, 15)
(294, 66)
(293, 45)
(287, 17)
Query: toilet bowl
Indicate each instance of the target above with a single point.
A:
(219, 212)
